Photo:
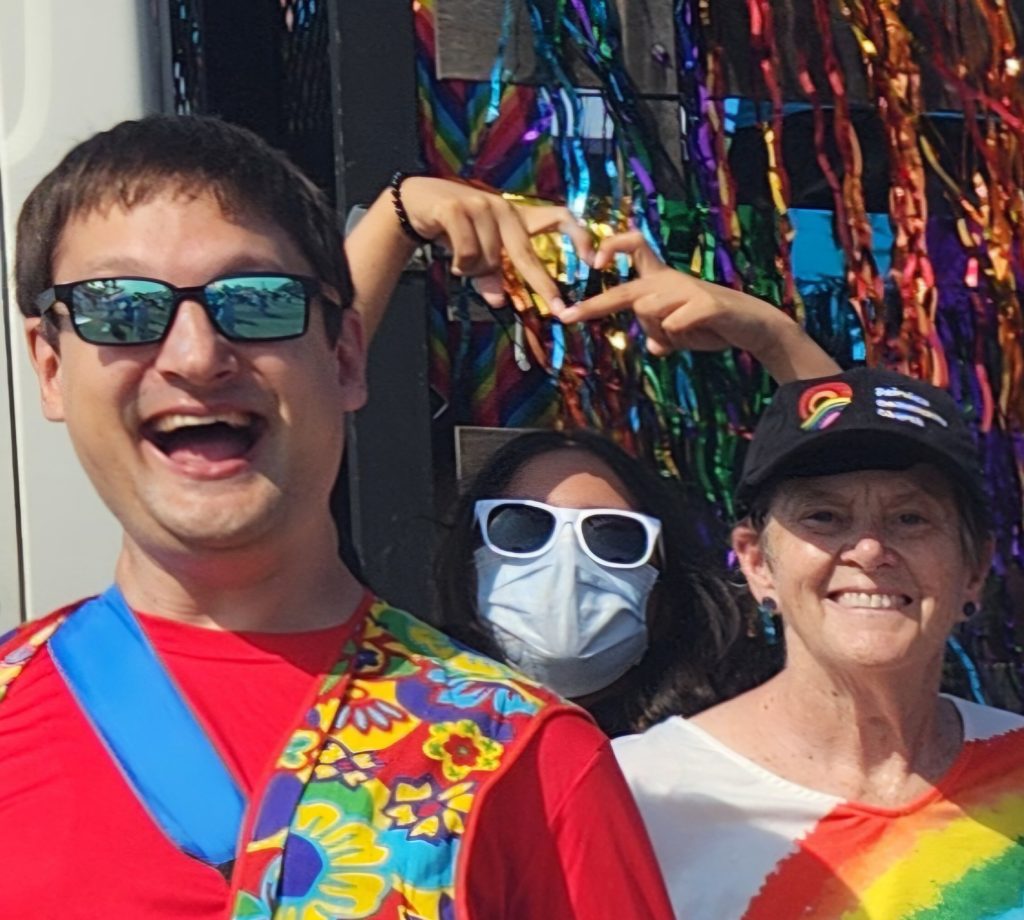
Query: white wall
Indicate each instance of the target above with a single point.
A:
(67, 69)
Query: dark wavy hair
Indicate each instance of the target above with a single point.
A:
(693, 615)
(186, 154)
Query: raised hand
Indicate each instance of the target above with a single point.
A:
(677, 311)
(476, 226)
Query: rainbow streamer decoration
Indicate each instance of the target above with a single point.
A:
(927, 282)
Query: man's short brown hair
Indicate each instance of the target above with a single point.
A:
(187, 154)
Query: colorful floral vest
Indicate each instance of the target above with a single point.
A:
(364, 813)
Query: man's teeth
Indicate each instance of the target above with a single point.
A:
(174, 421)
(874, 601)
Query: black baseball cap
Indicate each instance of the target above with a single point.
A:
(863, 419)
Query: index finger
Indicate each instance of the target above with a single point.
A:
(548, 218)
(620, 297)
(516, 240)
(633, 243)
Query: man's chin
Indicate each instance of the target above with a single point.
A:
(220, 526)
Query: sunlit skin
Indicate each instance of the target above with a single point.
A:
(570, 479)
(215, 522)
(868, 568)
(870, 573)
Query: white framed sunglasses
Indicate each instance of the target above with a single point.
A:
(522, 528)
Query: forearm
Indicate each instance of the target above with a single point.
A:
(377, 252)
(789, 353)
(779, 343)
(477, 228)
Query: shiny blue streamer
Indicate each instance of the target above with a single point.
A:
(498, 75)
(557, 347)
(597, 40)
(568, 115)
(973, 677)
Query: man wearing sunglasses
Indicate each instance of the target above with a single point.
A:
(237, 728)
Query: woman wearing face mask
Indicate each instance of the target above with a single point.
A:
(577, 564)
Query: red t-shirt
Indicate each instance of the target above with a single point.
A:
(75, 842)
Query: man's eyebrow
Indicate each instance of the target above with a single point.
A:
(111, 266)
(129, 266)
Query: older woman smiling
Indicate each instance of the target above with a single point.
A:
(847, 786)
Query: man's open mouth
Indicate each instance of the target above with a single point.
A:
(212, 438)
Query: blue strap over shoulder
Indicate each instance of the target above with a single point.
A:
(138, 712)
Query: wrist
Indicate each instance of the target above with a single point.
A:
(401, 214)
(765, 331)
(794, 355)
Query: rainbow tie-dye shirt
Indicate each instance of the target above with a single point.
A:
(736, 841)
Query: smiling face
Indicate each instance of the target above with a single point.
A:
(867, 568)
(197, 443)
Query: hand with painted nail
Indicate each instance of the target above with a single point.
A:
(677, 311)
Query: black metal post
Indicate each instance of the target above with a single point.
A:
(389, 461)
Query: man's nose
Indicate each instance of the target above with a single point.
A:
(193, 349)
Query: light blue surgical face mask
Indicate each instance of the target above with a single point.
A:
(563, 619)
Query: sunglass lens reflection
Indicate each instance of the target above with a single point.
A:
(121, 310)
(615, 538)
(519, 528)
(258, 307)
(133, 311)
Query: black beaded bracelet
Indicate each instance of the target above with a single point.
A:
(403, 217)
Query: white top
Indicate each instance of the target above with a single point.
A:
(726, 829)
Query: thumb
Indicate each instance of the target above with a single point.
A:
(491, 288)
(646, 259)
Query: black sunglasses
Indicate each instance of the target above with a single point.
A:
(246, 307)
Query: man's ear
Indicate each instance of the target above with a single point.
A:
(45, 355)
(350, 352)
(748, 545)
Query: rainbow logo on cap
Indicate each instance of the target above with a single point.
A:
(823, 403)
